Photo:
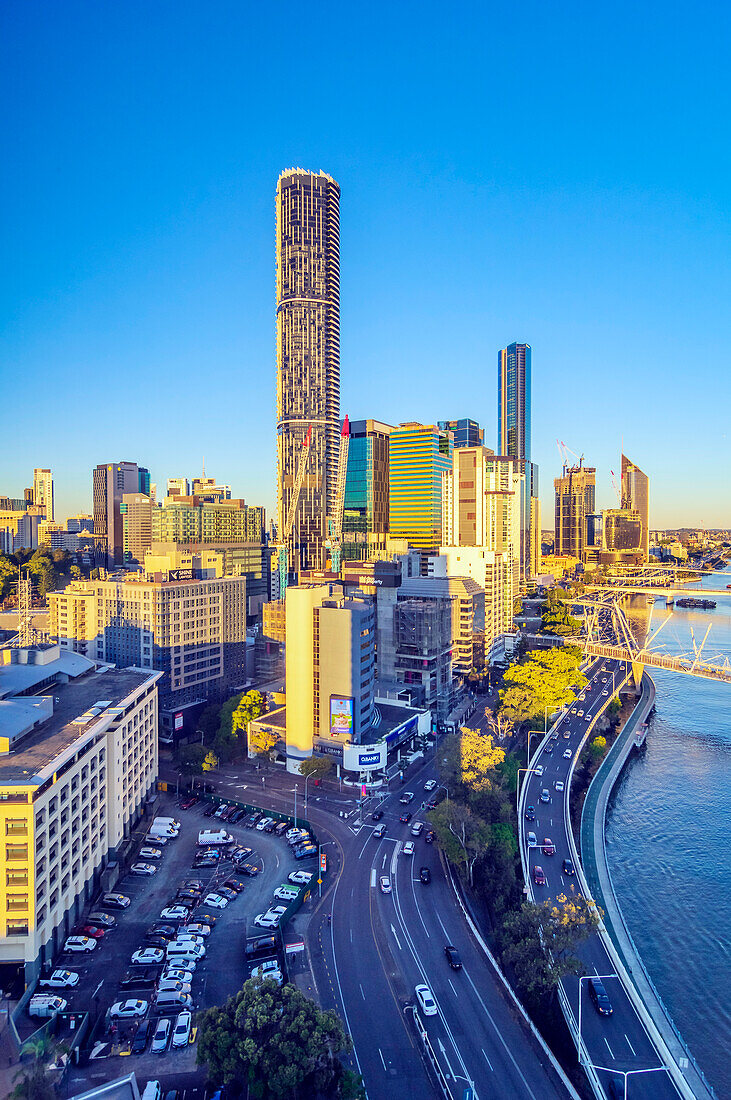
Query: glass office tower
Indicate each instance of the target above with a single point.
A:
(365, 512)
(418, 456)
(514, 440)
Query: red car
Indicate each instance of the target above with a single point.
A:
(549, 848)
(538, 876)
(90, 930)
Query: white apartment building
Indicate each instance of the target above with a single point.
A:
(78, 758)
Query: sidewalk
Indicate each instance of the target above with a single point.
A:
(9, 1064)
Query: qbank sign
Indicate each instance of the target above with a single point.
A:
(361, 757)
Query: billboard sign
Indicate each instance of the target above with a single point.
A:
(178, 721)
(365, 757)
(341, 715)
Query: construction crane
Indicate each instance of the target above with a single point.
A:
(335, 523)
(565, 451)
(616, 487)
(282, 543)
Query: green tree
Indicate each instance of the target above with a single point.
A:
(251, 705)
(468, 758)
(209, 720)
(33, 1080)
(551, 677)
(516, 704)
(598, 747)
(274, 1043)
(210, 761)
(8, 575)
(316, 767)
(461, 833)
(190, 759)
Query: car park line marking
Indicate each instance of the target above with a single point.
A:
(629, 1044)
(488, 1061)
(609, 1048)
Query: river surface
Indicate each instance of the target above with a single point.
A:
(669, 837)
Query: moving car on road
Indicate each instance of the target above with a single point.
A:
(453, 957)
(539, 876)
(425, 876)
(406, 797)
(405, 818)
(409, 848)
(380, 830)
(568, 867)
(385, 883)
(549, 848)
(599, 996)
(430, 784)
(424, 999)
(545, 795)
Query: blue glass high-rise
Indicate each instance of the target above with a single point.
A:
(513, 439)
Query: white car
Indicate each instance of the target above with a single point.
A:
(150, 853)
(266, 920)
(268, 969)
(161, 1036)
(300, 878)
(60, 979)
(261, 824)
(426, 1002)
(605, 692)
(173, 974)
(286, 893)
(79, 944)
(276, 910)
(221, 810)
(587, 718)
(538, 769)
(181, 1034)
(142, 869)
(196, 929)
(174, 912)
(558, 785)
(430, 784)
(567, 754)
(218, 901)
(292, 833)
(148, 956)
(183, 938)
(128, 1010)
(580, 713)
(409, 848)
(115, 901)
(385, 884)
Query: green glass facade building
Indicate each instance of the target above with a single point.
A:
(365, 510)
(419, 456)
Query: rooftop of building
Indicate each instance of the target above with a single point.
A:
(438, 587)
(23, 670)
(71, 701)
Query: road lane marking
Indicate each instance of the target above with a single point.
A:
(351, 935)
(609, 1048)
(488, 1061)
(629, 1044)
(384, 860)
(444, 930)
(361, 991)
(453, 989)
(396, 937)
(373, 876)
(383, 1060)
(507, 1049)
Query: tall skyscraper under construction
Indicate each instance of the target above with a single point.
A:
(308, 357)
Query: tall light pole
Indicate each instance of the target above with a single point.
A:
(295, 805)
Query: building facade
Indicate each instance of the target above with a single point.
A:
(419, 456)
(188, 519)
(636, 496)
(43, 492)
(110, 483)
(136, 512)
(365, 509)
(514, 440)
(78, 758)
(575, 493)
(308, 356)
(465, 433)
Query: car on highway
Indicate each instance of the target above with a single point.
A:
(549, 747)
(406, 797)
(566, 733)
(148, 956)
(128, 1010)
(101, 920)
(549, 848)
(161, 1037)
(405, 818)
(430, 784)
(545, 795)
(429, 836)
(530, 813)
(531, 839)
(181, 1032)
(376, 815)
(150, 853)
(115, 901)
(538, 769)
(567, 754)
(453, 957)
(79, 944)
(217, 901)
(568, 867)
(425, 876)
(385, 884)
(579, 713)
(417, 828)
(558, 785)
(300, 878)
(424, 999)
(408, 848)
(142, 869)
(539, 876)
(599, 996)
(605, 692)
(141, 1036)
(60, 979)
(379, 830)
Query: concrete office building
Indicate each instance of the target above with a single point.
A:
(365, 509)
(19, 531)
(110, 483)
(136, 512)
(465, 432)
(178, 487)
(467, 599)
(78, 758)
(43, 492)
(636, 497)
(575, 494)
(192, 630)
(419, 454)
(514, 440)
(189, 519)
(218, 559)
(330, 663)
(308, 356)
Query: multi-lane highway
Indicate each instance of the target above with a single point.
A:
(477, 1036)
(618, 1044)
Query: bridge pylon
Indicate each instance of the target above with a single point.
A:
(638, 669)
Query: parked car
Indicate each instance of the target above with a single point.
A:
(453, 957)
(160, 928)
(91, 930)
(148, 956)
(209, 810)
(175, 912)
(195, 928)
(425, 876)
(260, 945)
(280, 828)
(599, 996)
(141, 1036)
(79, 944)
(161, 1036)
(424, 999)
(234, 884)
(60, 979)
(268, 969)
(217, 901)
(300, 878)
(144, 869)
(286, 893)
(306, 852)
(227, 892)
(115, 901)
(181, 1032)
(128, 1010)
(139, 979)
(150, 853)
(266, 920)
(178, 974)
(101, 920)
(249, 869)
(262, 823)
(152, 940)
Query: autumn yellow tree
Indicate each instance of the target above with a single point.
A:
(469, 758)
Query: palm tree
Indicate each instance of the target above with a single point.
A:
(34, 1082)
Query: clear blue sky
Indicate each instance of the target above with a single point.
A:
(556, 174)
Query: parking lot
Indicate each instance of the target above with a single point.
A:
(225, 967)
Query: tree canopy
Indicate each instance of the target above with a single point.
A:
(317, 767)
(274, 1043)
(469, 758)
(556, 616)
(546, 680)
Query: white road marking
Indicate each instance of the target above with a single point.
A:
(609, 1048)
(488, 1061)
(384, 860)
(361, 992)
(373, 876)
(383, 1060)
(629, 1044)
(444, 930)
(351, 935)
(453, 989)
(396, 937)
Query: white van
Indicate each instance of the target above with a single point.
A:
(153, 1091)
(181, 951)
(214, 836)
(45, 1004)
(173, 1000)
(166, 831)
(166, 821)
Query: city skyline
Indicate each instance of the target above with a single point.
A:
(615, 261)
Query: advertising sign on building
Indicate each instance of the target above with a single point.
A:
(178, 721)
(365, 757)
(341, 715)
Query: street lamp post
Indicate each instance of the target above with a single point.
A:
(295, 805)
(442, 787)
